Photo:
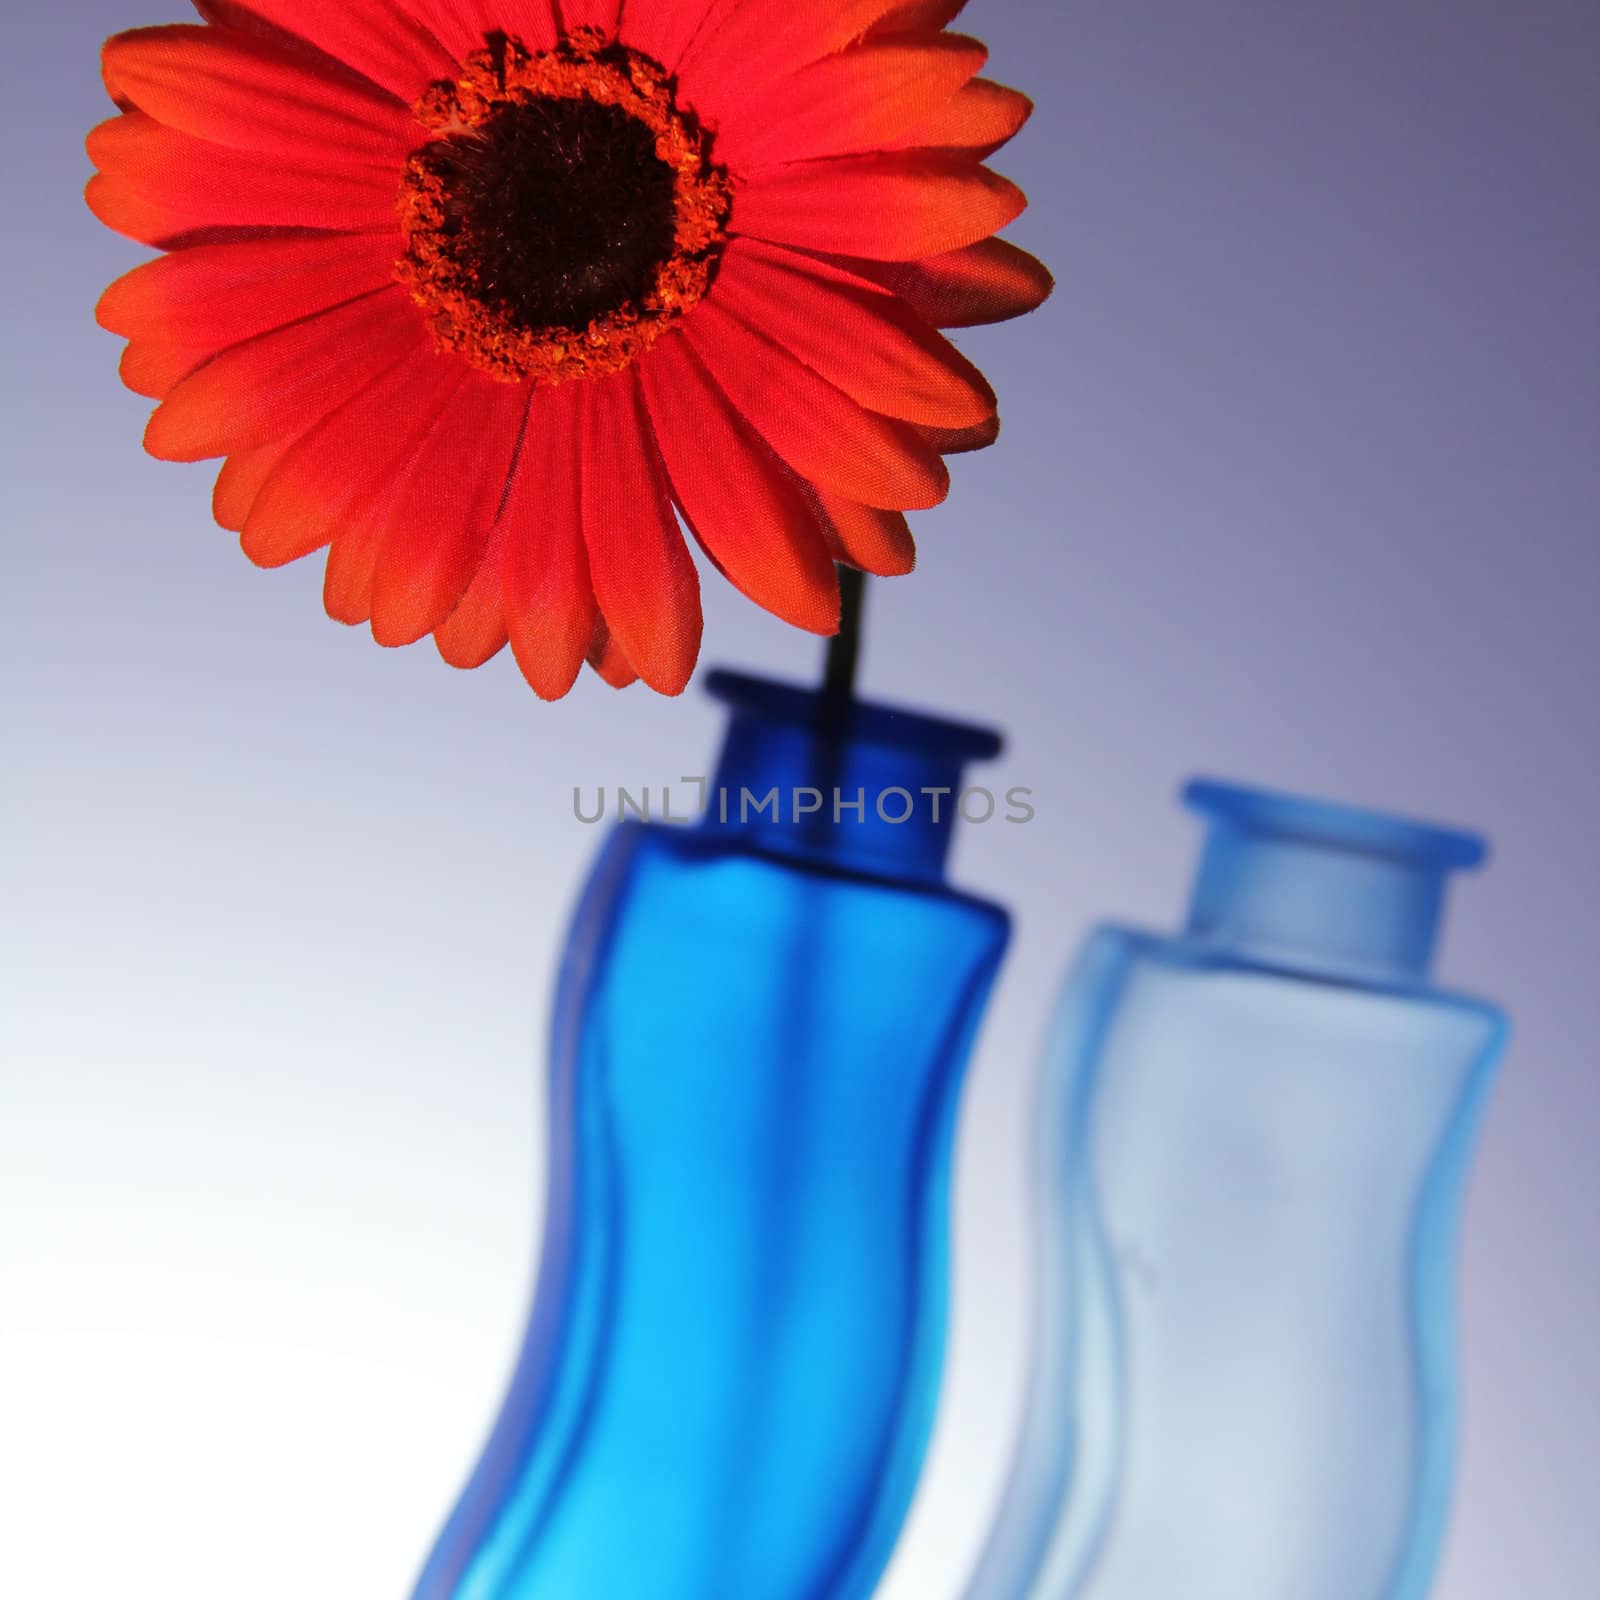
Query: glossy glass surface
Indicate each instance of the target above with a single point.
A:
(732, 1363)
(1256, 1136)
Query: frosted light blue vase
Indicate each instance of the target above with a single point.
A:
(1255, 1137)
(762, 1022)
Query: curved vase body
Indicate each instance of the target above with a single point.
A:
(732, 1361)
(1256, 1139)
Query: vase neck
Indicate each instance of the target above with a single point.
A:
(862, 786)
(1331, 887)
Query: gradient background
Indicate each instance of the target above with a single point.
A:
(1299, 483)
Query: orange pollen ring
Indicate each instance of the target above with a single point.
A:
(440, 265)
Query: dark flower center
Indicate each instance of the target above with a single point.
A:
(565, 213)
(562, 207)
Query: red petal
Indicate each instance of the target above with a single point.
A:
(601, 14)
(438, 526)
(745, 47)
(860, 99)
(661, 29)
(281, 382)
(116, 205)
(358, 536)
(463, 26)
(475, 632)
(204, 185)
(252, 94)
(607, 659)
(859, 337)
(548, 598)
(744, 507)
(917, 16)
(534, 22)
(876, 541)
(894, 206)
(241, 480)
(957, 441)
(356, 449)
(207, 294)
(381, 39)
(183, 308)
(153, 367)
(644, 578)
(820, 431)
(979, 120)
(987, 282)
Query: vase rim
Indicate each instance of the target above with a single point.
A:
(1283, 815)
(867, 721)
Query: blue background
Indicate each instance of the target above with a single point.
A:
(1299, 483)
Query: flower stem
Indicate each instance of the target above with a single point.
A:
(836, 699)
(844, 649)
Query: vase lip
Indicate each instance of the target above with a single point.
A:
(867, 721)
(1278, 814)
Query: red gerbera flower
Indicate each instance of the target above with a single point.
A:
(485, 294)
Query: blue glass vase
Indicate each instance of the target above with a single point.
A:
(761, 1025)
(1255, 1137)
